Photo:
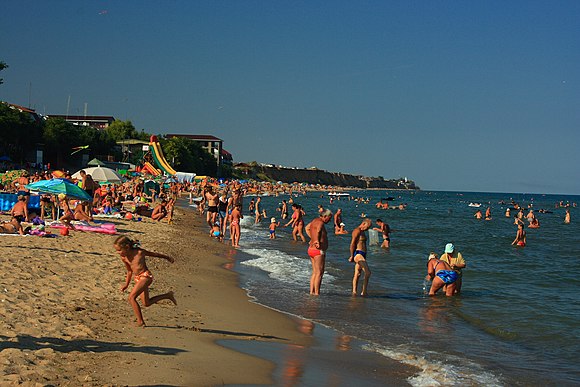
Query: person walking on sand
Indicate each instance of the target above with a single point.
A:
(358, 253)
(317, 249)
(455, 260)
(134, 259)
(211, 198)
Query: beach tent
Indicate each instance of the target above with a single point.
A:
(101, 174)
(149, 185)
(184, 177)
(96, 162)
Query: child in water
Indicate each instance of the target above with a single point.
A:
(134, 259)
(273, 225)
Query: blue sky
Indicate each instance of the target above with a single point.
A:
(456, 95)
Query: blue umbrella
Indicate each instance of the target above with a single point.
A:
(60, 186)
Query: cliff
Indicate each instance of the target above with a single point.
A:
(318, 176)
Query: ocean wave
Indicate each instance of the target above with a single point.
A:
(453, 371)
(282, 266)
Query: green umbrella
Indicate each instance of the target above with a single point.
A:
(59, 186)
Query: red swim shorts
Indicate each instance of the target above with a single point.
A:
(312, 252)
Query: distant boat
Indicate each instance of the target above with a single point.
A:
(338, 194)
(389, 198)
(474, 204)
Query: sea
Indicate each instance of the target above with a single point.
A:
(516, 321)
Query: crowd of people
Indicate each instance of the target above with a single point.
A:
(222, 206)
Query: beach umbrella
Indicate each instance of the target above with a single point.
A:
(58, 174)
(59, 186)
(101, 174)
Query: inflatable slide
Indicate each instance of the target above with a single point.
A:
(149, 168)
(157, 153)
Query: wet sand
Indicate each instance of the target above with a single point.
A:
(63, 320)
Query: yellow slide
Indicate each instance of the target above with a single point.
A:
(160, 160)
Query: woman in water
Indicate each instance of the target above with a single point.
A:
(520, 236)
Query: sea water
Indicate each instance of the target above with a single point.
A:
(517, 320)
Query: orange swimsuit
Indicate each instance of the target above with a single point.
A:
(145, 274)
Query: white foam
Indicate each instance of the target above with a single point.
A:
(282, 266)
(454, 371)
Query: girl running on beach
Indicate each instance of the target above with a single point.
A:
(134, 259)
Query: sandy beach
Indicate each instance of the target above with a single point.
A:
(63, 320)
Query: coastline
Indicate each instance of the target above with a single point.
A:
(64, 322)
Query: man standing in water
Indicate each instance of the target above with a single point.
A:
(317, 249)
(358, 253)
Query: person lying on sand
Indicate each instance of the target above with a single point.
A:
(13, 227)
(134, 259)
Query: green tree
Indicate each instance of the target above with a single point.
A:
(3, 66)
(176, 151)
(19, 132)
(99, 142)
(186, 155)
(59, 137)
(122, 130)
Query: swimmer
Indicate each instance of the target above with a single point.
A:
(488, 213)
(520, 236)
(478, 214)
(567, 217)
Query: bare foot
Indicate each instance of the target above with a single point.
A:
(141, 324)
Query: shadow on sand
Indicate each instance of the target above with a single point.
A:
(83, 345)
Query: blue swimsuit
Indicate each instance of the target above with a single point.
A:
(447, 276)
(360, 252)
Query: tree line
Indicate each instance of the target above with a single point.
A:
(64, 144)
